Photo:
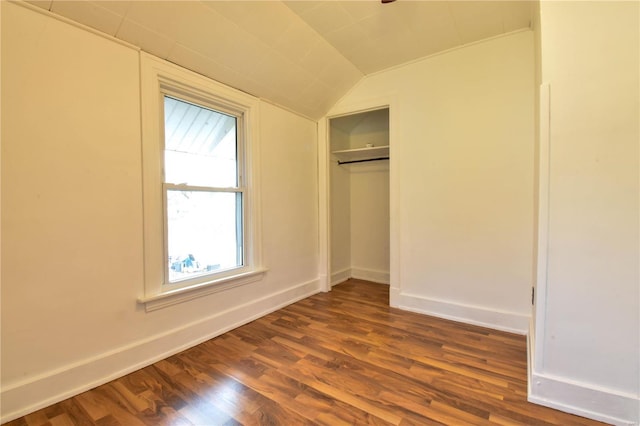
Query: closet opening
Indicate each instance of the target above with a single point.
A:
(359, 197)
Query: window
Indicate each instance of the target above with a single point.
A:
(201, 228)
(203, 191)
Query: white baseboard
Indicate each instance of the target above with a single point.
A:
(584, 400)
(476, 315)
(340, 276)
(579, 398)
(32, 394)
(394, 297)
(381, 277)
(323, 283)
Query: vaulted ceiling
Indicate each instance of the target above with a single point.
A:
(302, 55)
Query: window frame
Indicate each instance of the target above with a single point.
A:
(240, 186)
(160, 79)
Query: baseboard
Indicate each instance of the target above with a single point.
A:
(531, 347)
(578, 398)
(323, 283)
(476, 315)
(340, 276)
(394, 296)
(583, 399)
(381, 277)
(29, 395)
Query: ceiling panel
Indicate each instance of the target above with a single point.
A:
(250, 17)
(45, 4)
(379, 35)
(327, 16)
(147, 39)
(90, 14)
(158, 16)
(476, 21)
(119, 7)
(302, 55)
(298, 41)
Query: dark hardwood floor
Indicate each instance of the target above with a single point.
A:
(338, 358)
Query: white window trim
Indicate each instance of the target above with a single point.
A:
(157, 78)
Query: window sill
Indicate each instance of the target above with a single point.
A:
(173, 297)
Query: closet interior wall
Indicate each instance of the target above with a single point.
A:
(360, 200)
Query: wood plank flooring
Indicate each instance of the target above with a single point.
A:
(338, 358)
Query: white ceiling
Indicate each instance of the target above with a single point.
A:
(302, 55)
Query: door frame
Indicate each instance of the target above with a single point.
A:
(324, 188)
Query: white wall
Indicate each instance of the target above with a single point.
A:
(462, 147)
(372, 128)
(289, 196)
(587, 336)
(72, 218)
(370, 221)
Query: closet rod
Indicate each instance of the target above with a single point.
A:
(362, 161)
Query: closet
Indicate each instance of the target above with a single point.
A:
(359, 196)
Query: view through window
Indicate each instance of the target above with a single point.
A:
(203, 191)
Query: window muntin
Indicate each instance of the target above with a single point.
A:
(203, 192)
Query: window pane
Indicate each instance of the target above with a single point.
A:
(200, 145)
(204, 232)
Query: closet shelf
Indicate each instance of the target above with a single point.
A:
(359, 155)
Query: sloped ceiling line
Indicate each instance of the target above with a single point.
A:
(302, 55)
